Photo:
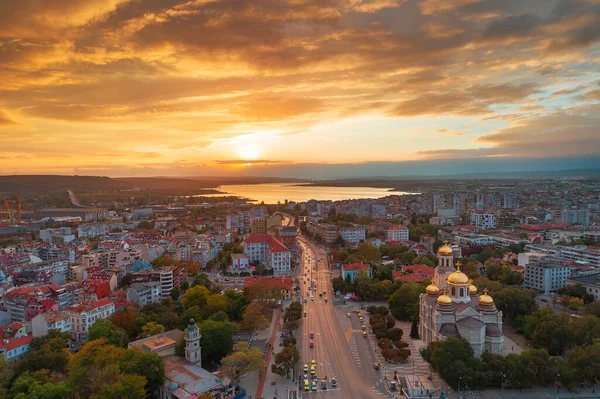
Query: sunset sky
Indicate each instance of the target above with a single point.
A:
(207, 87)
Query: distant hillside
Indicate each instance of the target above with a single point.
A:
(39, 184)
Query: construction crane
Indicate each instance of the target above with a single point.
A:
(9, 215)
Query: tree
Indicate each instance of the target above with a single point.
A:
(126, 321)
(217, 339)
(402, 302)
(516, 303)
(242, 361)
(151, 328)
(293, 312)
(368, 253)
(165, 261)
(203, 280)
(214, 304)
(6, 375)
(195, 296)
(263, 291)
(109, 383)
(39, 385)
(147, 364)
(175, 292)
(185, 285)
(285, 361)
(46, 352)
(236, 303)
(576, 304)
(564, 301)
(103, 328)
(254, 319)
(593, 309)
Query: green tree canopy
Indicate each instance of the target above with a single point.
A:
(103, 328)
(241, 361)
(151, 328)
(285, 361)
(217, 339)
(254, 319)
(195, 296)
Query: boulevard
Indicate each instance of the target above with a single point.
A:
(340, 350)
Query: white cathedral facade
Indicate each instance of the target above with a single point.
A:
(452, 307)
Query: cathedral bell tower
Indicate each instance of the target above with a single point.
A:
(445, 266)
(193, 351)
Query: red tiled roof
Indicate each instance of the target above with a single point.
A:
(282, 282)
(356, 266)
(89, 305)
(421, 269)
(274, 244)
(16, 342)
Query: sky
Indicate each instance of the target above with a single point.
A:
(306, 88)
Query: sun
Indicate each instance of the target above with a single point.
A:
(248, 151)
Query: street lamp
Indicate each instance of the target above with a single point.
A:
(556, 384)
(502, 385)
(459, 381)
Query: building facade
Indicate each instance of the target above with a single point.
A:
(458, 310)
(397, 233)
(546, 277)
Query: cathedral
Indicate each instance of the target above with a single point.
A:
(452, 307)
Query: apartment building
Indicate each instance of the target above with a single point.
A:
(111, 258)
(43, 323)
(47, 235)
(546, 277)
(91, 230)
(85, 314)
(145, 293)
(483, 220)
(397, 233)
(576, 216)
(267, 250)
(239, 262)
(353, 235)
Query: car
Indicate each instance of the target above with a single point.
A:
(355, 311)
(320, 295)
(304, 314)
(313, 362)
(314, 386)
(363, 327)
(306, 368)
(333, 383)
(348, 315)
(323, 383)
(364, 333)
(306, 386)
(312, 298)
(325, 300)
(324, 292)
(312, 344)
(376, 366)
(312, 370)
(311, 334)
(315, 378)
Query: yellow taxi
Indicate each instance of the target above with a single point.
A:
(306, 386)
(363, 327)
(348, 314)
(306, 368)
(313, 362)
(364, 333)
(313, 371)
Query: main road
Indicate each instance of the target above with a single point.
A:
(339, 349)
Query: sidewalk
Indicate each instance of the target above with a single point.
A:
(279, 390)
(269, 353)
(535, 393)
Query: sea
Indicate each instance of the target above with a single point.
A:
(272, 193)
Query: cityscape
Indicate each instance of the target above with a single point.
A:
(300, 199)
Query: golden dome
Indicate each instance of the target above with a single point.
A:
(485, 299)
(444, 299)
(472, 288)
(458, 277)
(432, 289)
(445, 249)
